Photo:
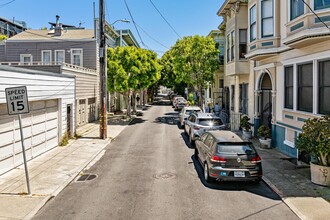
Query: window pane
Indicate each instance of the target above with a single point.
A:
(324, 87)
(253, 14)
(46, 57)
(242, 36)
(288, 93)
(59, 56)
(253, 32)
(267, 8)
(297, 8)
(267, 27)
(320, 4)
(305, 87)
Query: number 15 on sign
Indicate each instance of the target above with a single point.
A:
(17, 100)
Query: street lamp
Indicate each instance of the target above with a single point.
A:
(122, 20)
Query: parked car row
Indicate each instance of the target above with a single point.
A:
(222, 153)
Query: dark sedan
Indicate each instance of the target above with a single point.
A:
(225, 156)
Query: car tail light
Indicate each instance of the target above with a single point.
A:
(196, 128)
(218, 159)
(256, 159)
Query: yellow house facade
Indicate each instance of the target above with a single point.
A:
(238, 82)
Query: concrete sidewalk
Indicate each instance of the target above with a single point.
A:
(51, 172)
(292, 183)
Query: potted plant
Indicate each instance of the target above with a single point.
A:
(246, 127)
(264, 134)
(315, 140)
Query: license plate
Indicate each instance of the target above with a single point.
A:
(239, 174)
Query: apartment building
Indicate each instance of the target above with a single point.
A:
(287, 48)
(215, 91)
(238, 82)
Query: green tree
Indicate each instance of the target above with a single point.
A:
(131, 69)
(169, 78)
(195, 59)
(3, 37)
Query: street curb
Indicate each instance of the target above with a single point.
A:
(280, 194)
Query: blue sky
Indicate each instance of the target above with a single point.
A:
(187, 17)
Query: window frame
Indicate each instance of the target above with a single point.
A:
(253, 24)
(22, 56)
(244, 98)
(286, 87)
(81, 56)
(266, 18)
(300, 87)
(242, 44)
(43, 56)
(56, 58)
(320, 8)
(228, 48)
(320, 86)
(232, 46)
(291, 10)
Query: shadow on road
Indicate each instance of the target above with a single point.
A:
(137, 121)
(170, 120)
(186, 140)
(259, 189)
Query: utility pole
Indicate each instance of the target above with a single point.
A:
(103, 79)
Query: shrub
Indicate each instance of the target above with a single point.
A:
(264, 132)
(245, 124)
(315, 139)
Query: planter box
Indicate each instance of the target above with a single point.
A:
(265, 143)
(247, 134)
(320, 174)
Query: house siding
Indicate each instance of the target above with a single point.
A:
(14, 49)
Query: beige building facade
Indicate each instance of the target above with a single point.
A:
(288, 44)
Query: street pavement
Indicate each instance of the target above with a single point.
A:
(53, 171)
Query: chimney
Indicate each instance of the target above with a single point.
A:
(58, 27)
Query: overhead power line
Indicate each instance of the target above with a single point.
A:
(130, 14)
(165, 19)
(152, 37)
(4, 4)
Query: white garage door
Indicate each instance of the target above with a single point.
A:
(40, 129)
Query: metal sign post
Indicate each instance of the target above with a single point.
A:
(17, 104)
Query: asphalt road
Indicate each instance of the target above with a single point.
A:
(149, 172)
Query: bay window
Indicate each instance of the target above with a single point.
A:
(321, 4)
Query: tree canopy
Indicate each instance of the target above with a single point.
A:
(131, 68)
(3, 37)
(194, 60)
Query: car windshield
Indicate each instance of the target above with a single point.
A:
(210, 121)
(188, 112)
(239, 149)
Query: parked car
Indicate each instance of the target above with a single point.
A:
(173, 99)
(198, 123)
(179, 103)
(225, 156)
(185, 112)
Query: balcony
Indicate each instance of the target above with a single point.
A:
(307, 30)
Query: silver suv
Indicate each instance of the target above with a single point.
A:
(198, 123)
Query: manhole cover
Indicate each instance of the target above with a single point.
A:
(85, 177)
(164, 176)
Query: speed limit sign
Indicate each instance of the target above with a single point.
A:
(17, 100)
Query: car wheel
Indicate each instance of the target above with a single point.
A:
(257, 181)
(207, 177)
(191, 141)
(196, 154)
